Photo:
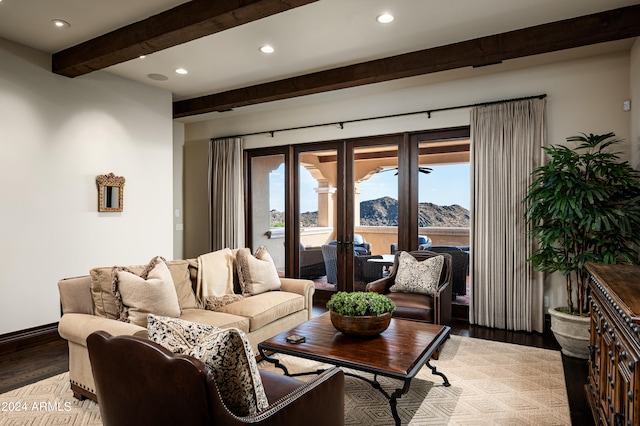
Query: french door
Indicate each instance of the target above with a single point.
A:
(320, 198)
(330, 181)
(329, 211)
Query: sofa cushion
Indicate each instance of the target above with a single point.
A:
(265, 308)
(103, 298)
(152, 292)
(105, 302)
(413, 306)
(257, 273)
(415, 276)
(226, 352)
(182, 281)
(217, 319)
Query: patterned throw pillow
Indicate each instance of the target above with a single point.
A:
(151, 292)
(176, 334)
(257, 273)
(415, 276)
(214, 303)
(227, 352)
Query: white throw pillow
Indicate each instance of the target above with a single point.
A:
(415, 276)
(257, 273)
(227, 353)
(151, 292)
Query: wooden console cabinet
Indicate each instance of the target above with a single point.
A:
(613, 387)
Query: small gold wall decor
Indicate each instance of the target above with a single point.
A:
(110, 192)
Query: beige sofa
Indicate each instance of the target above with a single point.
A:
(88, 305)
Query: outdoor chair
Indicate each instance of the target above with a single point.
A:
(139, 382)
(365, 271)
(330, 255)
(434, 308)
(459, 268)
(424, 243)
(360, 246)
(311, 262)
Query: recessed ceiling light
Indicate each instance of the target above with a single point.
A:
(385, 18)
(267, 49)
(158, 77)
(59, 23)
(181, 71)
(140, 57)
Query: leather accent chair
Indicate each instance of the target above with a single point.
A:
(139, 382)
(434, 309)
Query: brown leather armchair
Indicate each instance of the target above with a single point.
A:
(433, 309)
(139, 382)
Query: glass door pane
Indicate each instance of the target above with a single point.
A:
(444, 199)
(375, 218)
(268, 206)
(317, 207)
(444, 192)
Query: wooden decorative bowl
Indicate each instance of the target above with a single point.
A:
(361, 325)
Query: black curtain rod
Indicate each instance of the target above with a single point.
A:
(342, 123)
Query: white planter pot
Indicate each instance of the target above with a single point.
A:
(571, 332)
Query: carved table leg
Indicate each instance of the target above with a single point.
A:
(437, 373)
(274, 361)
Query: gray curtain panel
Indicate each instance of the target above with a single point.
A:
(506, 141)
(226, 202)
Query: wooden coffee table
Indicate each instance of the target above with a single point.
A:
(399, 352)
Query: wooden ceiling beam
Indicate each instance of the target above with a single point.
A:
(183, 23)
(586, 30)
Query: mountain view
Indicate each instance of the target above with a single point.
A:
(384, 212)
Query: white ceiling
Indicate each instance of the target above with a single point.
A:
(318, 36)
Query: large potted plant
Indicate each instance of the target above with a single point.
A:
(583, 206)
(360, 313)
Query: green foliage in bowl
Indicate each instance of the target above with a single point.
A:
(360, 303)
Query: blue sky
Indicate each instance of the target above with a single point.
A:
(445, 185)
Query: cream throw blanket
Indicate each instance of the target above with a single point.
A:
(215, 274)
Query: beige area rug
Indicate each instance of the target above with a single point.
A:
(492, 383)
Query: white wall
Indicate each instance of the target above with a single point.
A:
(584, 95)
(56, 135)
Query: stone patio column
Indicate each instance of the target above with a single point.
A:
(326, 204)
(356, 204)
